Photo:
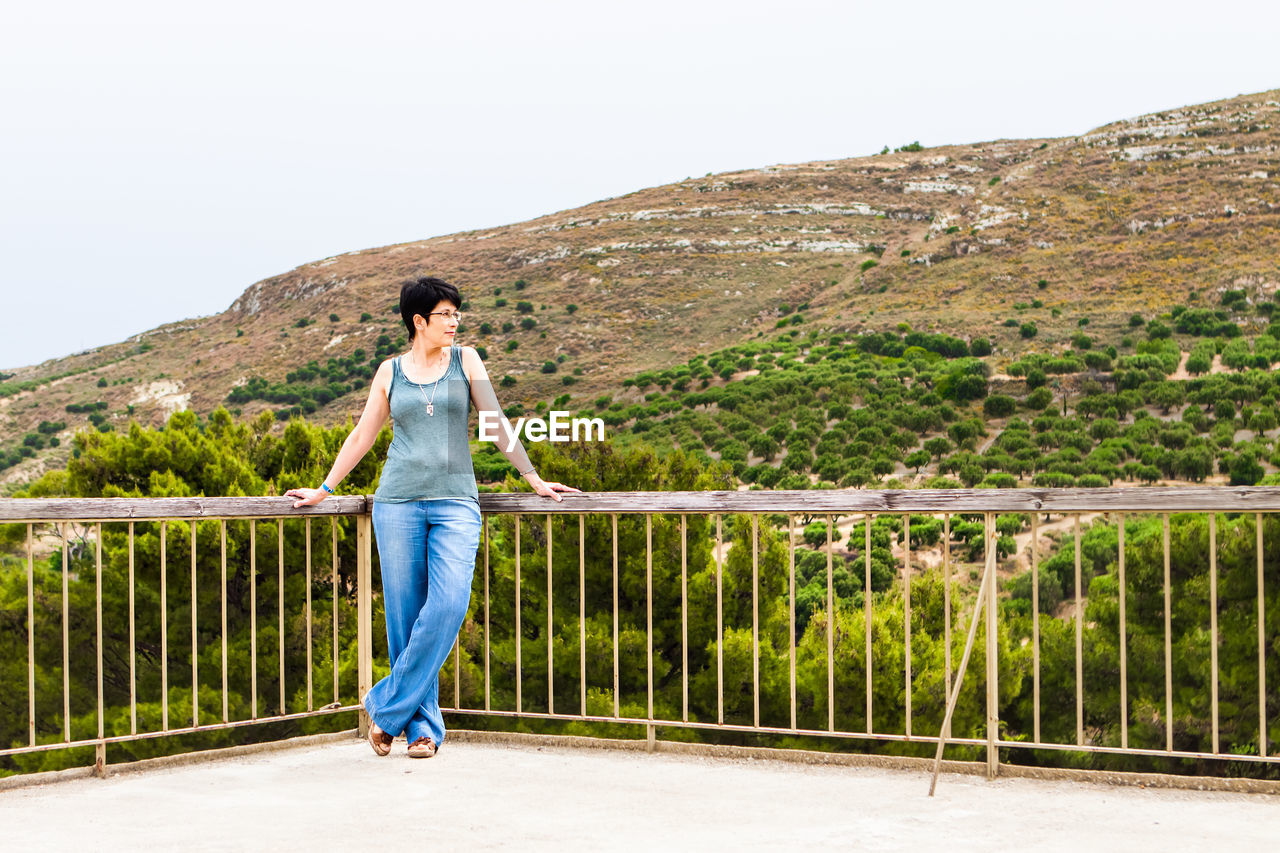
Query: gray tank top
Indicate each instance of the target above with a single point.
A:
(429, 456)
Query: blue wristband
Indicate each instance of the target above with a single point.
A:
(325, 486)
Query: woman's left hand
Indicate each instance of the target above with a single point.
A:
(550, 490)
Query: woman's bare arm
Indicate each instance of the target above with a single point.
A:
(359, 440)
(486, 402)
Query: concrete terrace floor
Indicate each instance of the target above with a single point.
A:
(478, 795)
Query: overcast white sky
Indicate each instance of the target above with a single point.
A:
(156, 158)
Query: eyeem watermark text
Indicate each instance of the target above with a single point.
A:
(559, 427)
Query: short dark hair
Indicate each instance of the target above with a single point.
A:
(422, 295)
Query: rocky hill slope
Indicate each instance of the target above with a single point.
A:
(972, 240)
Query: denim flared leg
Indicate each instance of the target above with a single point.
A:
(427, 550)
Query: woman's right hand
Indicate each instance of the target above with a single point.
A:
(306, 497)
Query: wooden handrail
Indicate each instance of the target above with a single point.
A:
(1140, 499)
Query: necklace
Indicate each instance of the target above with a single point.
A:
(431, 408)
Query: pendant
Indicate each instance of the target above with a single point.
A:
(431, 410)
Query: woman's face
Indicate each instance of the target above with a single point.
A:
(440, 326)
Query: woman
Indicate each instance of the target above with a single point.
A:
(426, 513)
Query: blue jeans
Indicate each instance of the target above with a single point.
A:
(428, 551)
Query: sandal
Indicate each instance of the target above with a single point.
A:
(379, 740)
(423, 747)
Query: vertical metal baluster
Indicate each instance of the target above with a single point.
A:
(364, 615)
(719, 621)
(1124, 643)
(519, 679)
(457, 672)
(791, 624)
(280, 605)
(906, 613)
(98, 602)
(1262, 648)
(1079, 643)
(333, 567)
(164, 627)
(66, 643)
(614, 517)
(1035, 626)
(195, 632)
(755, 620)
(1168, 642)
(648, 604)
(457, 665)
(993, 665)
(684, 618)
(486, 614)
(831, 637)
(133, 645)
(253, 623)
(310, 663)
(31, 634)
(551, 672)
(222, 525)
(582, 613)
(866, 611)
(551, 623)
(1213, 621)
(946, 603)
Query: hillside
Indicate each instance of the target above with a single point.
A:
(1172, 208)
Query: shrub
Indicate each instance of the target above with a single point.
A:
(868, 264)
(528, 323)
(507, 381)
(1028, 330)
(1039, 399)
(999, 406)
(333, 318)
(524, 307)
(571, 308)
(365, 317)
(548, 367)
(102, 382)
(917, 459)
(1097, 361)
(1245, 470)
(521, 284)
(1135, 320)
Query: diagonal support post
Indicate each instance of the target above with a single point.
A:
(988, 575)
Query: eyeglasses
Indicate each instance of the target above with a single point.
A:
(455, 316)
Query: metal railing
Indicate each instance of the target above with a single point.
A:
(608, 692)
(76, 525)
